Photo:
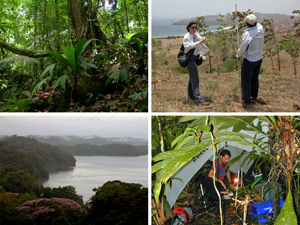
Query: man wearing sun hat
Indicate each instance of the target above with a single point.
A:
(251, 50)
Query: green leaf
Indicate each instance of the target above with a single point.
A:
(287, 214)
(12, 101)
(254, 183)
(70, 56)
(40, 84)
(167, 206)
(80, 47)
(158, 166)
(176, 140)
(61, 81)
(48, 69)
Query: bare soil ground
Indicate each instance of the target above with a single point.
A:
(279, 90)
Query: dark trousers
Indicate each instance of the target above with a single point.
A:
(249, 78)
(210, 189)
(193, 84)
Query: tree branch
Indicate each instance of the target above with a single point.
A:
(21, 51)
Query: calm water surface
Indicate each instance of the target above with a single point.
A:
(164, 28)
(94, 171)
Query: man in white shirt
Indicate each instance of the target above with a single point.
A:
(251, 50)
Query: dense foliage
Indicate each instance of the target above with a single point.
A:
(48, 154)
(12, 157)
(110, 73)
(25, 160)
(106, 150)
(62, 192)
(275, 142)
(119, 203)
(115, 202)
(53, 211)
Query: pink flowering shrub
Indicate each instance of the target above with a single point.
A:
(49, 210)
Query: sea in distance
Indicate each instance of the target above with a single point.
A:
(94, 171)
(162, 28)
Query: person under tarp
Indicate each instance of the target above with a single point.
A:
(221, 171)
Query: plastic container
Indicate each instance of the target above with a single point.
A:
(268, 190)
(260, 210)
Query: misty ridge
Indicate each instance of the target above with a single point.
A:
(89, 145)
(92, 140)
(213, 19)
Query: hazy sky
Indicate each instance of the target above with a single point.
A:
(116, 125)
(193, 8)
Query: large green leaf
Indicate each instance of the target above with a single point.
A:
(287, 214)
(70, 55)
(160, 165)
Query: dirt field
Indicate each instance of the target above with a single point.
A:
(279, 91)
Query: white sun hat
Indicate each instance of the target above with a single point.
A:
(251, 19)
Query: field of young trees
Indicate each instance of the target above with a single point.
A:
(220, 73)
(74, 56)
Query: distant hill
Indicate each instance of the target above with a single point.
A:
(32, 156)
(106, 150)
(212, 19)
(92, 140)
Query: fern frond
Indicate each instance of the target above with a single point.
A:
(20, 58)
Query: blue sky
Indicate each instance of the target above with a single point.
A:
(193, 8)
(113, 125)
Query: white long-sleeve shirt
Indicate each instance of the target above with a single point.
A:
(252, 44)
(191, 41)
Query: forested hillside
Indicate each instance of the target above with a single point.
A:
(74, 56)
(25, 160)
(18, 159)
(48, 154)
(106, 150)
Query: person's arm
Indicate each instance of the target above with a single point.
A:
(202, 40)
(239, 14)
(211, 174)
(229, 179)
(189, 44)
(245, 42)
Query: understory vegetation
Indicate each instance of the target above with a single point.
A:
(74, 56)
(274, 141)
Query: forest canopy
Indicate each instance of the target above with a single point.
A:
(82, 55)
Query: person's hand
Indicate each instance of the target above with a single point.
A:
(232, 186)
(223, 184)
(203, 39)
(239, 14)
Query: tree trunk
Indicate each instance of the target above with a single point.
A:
(35, 25)
(84, 21)
(276, 198)
(126, 14)
(44, 32)
(57, 27)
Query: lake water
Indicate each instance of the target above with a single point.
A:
(94, 171)
(164, 28)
